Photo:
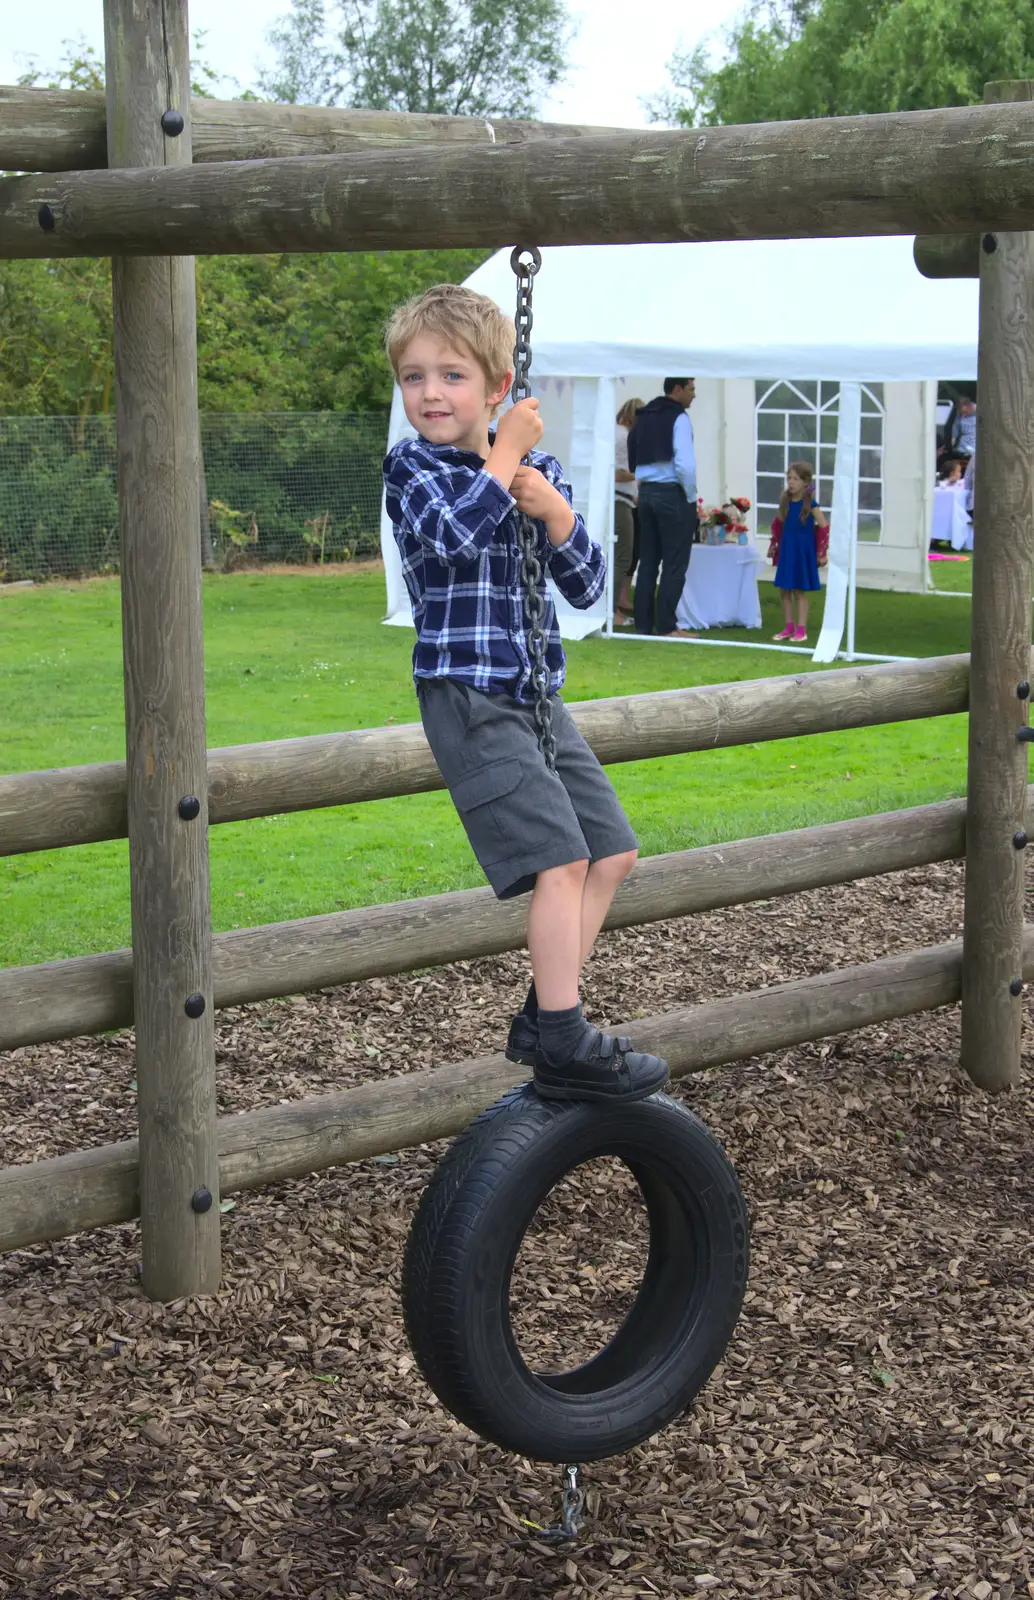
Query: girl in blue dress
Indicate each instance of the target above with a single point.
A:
(800, 539)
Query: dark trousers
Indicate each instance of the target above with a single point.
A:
(667, 528)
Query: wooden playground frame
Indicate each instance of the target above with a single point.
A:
(965, 176)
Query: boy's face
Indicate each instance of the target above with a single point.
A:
(446, 394)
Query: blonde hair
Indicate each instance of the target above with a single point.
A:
(806, 472)
(457, 315)
(627, 415)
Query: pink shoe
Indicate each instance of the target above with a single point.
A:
(787, 633)
(800, 636)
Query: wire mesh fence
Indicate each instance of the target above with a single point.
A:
(276, 487)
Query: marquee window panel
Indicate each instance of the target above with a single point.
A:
(797, 420)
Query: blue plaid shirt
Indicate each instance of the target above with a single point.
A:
(456, 528)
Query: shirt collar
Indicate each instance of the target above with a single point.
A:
(447, 452)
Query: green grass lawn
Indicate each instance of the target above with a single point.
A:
(952, 576)
(294, 655)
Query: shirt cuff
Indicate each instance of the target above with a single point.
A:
(486, 490)
(577, 548)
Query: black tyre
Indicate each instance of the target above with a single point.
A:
(464, 1242)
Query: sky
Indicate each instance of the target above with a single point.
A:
(617, 57)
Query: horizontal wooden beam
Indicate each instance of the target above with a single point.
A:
(91, 994)
(950, 171)
(83, 805)
(63, 130)
(948, 255)
(51, 1199)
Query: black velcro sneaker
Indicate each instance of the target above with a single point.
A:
(603, 1067)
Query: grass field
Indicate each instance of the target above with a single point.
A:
(293, 655)
(953, 575)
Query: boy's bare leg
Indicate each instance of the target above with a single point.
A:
(555, 934)
(573, 1059)
(602, 882)
(568, 907)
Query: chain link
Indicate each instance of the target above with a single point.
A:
(572, 1509)
(531, 567)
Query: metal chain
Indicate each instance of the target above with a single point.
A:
(531, 567)
(572, 1507)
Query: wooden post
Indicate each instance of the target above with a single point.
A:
(156, 404)
(1003, 563)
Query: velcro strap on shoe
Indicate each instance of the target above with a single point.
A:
(609, 1048)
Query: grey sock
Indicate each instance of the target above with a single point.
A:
(561, 1032)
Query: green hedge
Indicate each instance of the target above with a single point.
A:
(293, 487)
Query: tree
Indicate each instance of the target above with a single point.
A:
(843, 57)
(305, 333)
(82, 68)
(275, 332)
(55, 343)
(479, 58)
(307, 69)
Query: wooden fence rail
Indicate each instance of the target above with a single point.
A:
(83, 805)
(948, 255)
(91, 994)
(948, 171)
(63, 130)
(51, 1199)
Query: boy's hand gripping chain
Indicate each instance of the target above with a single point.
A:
(531, 567)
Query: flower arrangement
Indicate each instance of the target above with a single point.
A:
(724, 524)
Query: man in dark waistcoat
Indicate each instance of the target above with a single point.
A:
(661, 454)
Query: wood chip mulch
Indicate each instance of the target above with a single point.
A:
(869, 1435)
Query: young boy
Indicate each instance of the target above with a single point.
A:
(453, 496)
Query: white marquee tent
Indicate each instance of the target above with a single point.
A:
(610, 321)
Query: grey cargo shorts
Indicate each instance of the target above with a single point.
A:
(520, 818)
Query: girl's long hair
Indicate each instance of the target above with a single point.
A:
(627, 415)
(806, 472)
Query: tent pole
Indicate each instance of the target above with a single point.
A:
(605, 460)
(843, 528)
(852, 590)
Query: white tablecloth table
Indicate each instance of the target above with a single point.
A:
(950, 518)
(721, 588)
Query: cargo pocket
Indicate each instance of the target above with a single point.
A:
(481, 800)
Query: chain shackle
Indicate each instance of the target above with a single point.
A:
(572, 1510)
(531, 567)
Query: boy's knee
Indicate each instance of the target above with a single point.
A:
(618, 867)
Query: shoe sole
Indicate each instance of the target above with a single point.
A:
(549, 1092)
(523, 1058)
